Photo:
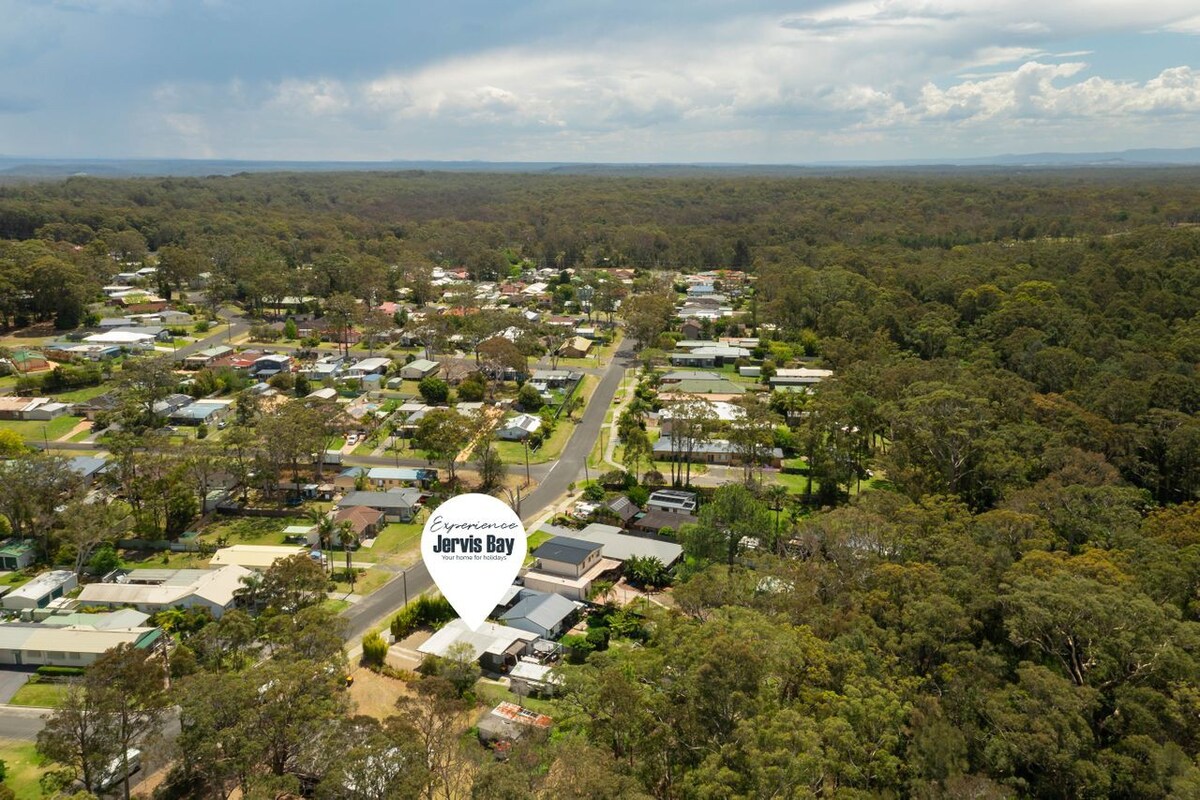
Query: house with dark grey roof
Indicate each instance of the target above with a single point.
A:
(563, 555)
(568, 566)
(546, 614)
(622, 507)
(88, 468)
(397, 505)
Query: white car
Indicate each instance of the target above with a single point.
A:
(114, 774)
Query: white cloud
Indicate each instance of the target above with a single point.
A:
(903, 74)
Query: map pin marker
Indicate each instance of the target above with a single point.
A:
(473, 546)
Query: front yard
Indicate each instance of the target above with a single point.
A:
(37, 431)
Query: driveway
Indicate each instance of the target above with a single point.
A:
(12, 679)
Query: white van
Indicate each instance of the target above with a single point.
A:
(113, 775)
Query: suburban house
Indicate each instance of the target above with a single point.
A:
(421, 368)
(509, 722)
(614, 543)
(397, 505)
(399, 477)
(531, 677)
(25, 361)
(567, 566)
(154, 590)
(30, 644)
(207, 357)
(497, 648)
(252, 556)
(41, 590)
(327, 367)
(125, 338)
(622, 508)
(710, 355)
(547, 614)
(88, 468)
(519, 427)
(692, 328)
(711, 451)
(364, 521)
(16, 554)
(271, 364)
(721, 411)
(368, 366)
(31, 408)
(800, 376)
(202, 412)
(575, 347)
(672, 501)
(552, 378)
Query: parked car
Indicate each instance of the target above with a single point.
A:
(114, 773)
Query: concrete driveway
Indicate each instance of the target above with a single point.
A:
(10, 681)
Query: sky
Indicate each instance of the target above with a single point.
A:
(743, 81)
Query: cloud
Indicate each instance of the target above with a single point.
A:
(708, 81)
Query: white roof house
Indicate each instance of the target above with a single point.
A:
(121, 338)
(74, 646)
(41, 590)
(801, 376)
(369, 366)
(212, 589)
(489, 639)
(519, 427)
(253, 556)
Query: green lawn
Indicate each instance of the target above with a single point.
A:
(395, 540)
(79, 395)
(514, 452)
(251, 530)
(40, 695)
(149, 559)
(35, 431)
(365, 583)
(24, 768)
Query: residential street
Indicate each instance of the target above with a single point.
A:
(385, 601)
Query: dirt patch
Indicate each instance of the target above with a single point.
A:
(375, 695)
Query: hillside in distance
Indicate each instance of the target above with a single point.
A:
(24, 168)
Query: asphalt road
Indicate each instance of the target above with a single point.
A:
(21, 723)
(568, 469)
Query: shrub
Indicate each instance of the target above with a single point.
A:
(374, 649)
(422, 612)
(434, 390)
(594, 492)
(578, 648)
(471, 391)
(529, 398)
(639, 496)
(202, 326)
(59, 672)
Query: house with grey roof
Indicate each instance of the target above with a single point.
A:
(544, 613)
(397, 505)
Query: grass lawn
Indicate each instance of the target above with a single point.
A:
(365, 447)
(79, 395)
(796, 484)
(79, 437)
(35, 431)
(334, 606)
(148, 559)
(491, 694)
(41, 695)
(24, 768)
(396, 544)
(365, 583)
(514, 452)
(252, 530)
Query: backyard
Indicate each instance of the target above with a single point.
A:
(37, 431)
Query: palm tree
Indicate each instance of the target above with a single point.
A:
(349, 539)
(325, 529)
(776, 497)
